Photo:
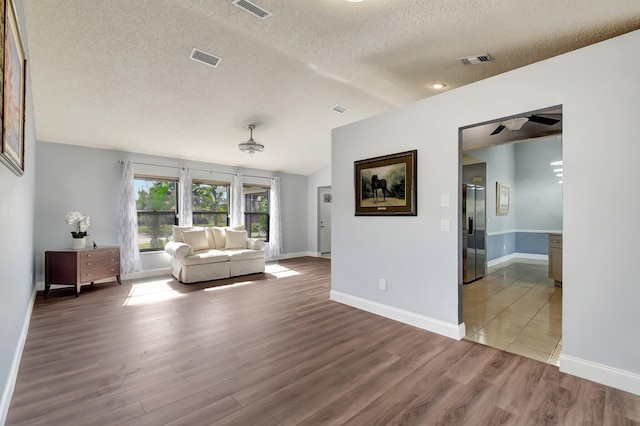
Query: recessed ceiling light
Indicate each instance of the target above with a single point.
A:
(438, 86)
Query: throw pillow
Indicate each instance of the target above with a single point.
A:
(219, 237)
(177, 232)
(236, 239)
(196, 239)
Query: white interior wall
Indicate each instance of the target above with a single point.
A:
(420, 262)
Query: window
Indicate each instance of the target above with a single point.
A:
(156, 202)
(210, 203)
(256, 211)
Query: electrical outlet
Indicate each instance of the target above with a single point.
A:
(504, 247)
(382, 284)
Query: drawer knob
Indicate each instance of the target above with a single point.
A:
(89, 263)
(88, 275)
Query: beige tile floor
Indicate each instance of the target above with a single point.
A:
(516, 308)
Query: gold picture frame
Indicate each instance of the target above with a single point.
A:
(13, 91)
(503, 199)
(386, 186)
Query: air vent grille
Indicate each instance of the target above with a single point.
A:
(477, 59)
(339, 109)
(204, 57)
(252, 8)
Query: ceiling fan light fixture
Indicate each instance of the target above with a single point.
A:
(515, 124)
(251, 146)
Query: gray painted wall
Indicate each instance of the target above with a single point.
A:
(536, 195)
(16, 253)
(420, 262)
(88, 180)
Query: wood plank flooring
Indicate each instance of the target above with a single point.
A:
(272, 349)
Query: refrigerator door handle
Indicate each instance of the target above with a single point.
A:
(470, 225)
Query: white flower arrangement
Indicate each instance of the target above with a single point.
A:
(81, 223)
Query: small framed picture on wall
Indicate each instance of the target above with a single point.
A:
(503, 199)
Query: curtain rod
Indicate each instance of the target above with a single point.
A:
(197, 170)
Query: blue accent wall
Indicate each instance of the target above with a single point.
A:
(501, 245)
(532, 243)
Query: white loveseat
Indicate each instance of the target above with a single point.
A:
(205, 254)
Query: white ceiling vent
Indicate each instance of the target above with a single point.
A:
(252, 8)
(204, 57)
(476, 59)
(339, 109)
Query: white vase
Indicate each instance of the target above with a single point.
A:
(78, 243)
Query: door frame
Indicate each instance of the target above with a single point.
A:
(318, 216)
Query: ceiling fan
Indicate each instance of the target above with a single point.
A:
(515, 124)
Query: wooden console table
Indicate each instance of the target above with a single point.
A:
(78, 267)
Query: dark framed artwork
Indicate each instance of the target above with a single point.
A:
(386, 186)
(13, 91)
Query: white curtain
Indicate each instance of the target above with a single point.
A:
(185, 203)
(275, 232)
(128, 223)
(237, 205)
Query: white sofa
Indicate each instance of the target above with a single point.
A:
(205, 254)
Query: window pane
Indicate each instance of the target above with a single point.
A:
(256, 207)
(257, 225)
(156, 201)
(256, 199)
(210, 204)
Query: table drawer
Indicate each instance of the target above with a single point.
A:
(99, 272)
(90, 255)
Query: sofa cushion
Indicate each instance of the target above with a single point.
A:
(177, 232)
(236, 239)
(196, 239)
(243, 254)
(218, 235)
(206, 256)
(255, 244)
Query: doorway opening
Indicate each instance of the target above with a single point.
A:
(513, 299)
(324, 221)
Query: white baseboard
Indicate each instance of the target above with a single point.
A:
(146, 274)
(9, 386)
(512, 256)
(292, 255)
(454, 331)
(603, 374)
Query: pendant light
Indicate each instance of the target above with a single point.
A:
(251, 146)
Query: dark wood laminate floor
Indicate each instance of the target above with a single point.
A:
(273, 349)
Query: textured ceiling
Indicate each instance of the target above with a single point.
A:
(116, 74)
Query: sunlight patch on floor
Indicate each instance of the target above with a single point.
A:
(280, 271)
(228, 286)
(152, 291)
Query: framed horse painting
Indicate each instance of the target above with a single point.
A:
(386, 186)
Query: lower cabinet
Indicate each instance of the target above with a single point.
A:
(555, 258)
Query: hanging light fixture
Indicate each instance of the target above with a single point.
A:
(251, 146)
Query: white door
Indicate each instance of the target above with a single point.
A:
(325, 220)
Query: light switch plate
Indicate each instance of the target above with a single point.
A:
(444, 225)
(444, 200)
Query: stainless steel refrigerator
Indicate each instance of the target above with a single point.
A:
(474, 252)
